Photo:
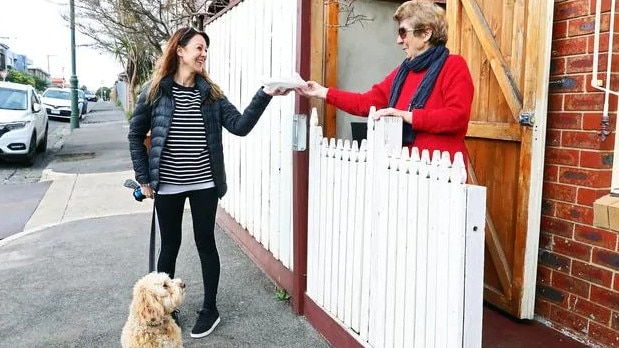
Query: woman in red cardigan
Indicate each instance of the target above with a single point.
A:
(432, 90)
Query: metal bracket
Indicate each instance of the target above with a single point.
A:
(299, 132)
(527, 119)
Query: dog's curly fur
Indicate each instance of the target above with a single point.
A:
(150, 323)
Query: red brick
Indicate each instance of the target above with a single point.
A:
(595, 236)
(585, 177)
(568, 319)
(569, 46)
(542, 307)
(571, 248)
(570, 284)
(606, 258)
(551, 173)
(553, 138)
(565, 120)
(589, 310)
(558, 64)
(568, 84)
(560, 192)
(557, 226)
(586, 196)
(559, 155)
(584, 140)
(593, 121)
(555, 261)
(596, 159)
(545, 240)
(604, 335)
(570, 9)
(584, 102)
(615, 321)
(559, 29)
(586, 25)
(592, 273)
(549, 207)
(555, 102)
(604, 297)
(578, 64)
(616, 285)
(574, 213)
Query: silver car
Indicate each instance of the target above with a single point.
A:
(23, 122)
(57, 102)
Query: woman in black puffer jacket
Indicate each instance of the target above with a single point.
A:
(185, 112)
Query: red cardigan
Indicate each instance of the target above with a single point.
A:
(441, 124)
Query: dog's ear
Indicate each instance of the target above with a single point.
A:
(146, 306)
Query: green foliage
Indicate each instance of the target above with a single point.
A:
(282, 295)
(27, 79)
(106, 92)
(40, 84)
(20, 77)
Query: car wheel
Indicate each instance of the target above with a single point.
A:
(43, 145)
(31, 150)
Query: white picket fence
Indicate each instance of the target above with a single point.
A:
(395, 240)
(255, 40)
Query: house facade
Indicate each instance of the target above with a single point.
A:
(578, 271)
(12, 60)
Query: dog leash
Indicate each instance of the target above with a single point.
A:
(151, 249)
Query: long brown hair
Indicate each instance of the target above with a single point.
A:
(168, 64)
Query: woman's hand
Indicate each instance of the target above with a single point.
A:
(313, 89)
(276, 91)
(147, 191)
(407, 116)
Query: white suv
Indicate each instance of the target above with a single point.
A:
(23, 122)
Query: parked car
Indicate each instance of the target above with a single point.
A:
(91, 96)
(81, 96)
(23, 122)
(57, 102)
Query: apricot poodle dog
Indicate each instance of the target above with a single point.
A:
(150, 323)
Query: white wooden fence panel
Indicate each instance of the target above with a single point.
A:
(265, 48)
(258, 166)
(359, 236)
(313, 244)
(352, 213)
(408, 228)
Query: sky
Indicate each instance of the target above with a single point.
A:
(35, 28)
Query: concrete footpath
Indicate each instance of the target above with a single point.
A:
(67, 278)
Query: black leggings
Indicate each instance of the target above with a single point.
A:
(203, 205)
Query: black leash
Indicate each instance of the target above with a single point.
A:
(151, 249)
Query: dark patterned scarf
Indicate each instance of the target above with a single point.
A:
(432, 59)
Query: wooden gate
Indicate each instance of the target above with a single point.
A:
(507, 47)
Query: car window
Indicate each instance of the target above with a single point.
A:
(56, 94)
(13, 99)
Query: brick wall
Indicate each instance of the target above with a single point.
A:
(578, 274)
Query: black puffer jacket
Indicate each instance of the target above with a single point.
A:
(157, 118)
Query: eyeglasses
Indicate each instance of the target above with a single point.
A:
(402, 32)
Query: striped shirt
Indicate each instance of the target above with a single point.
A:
(185, 157)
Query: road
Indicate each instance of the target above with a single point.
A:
(16, 173)
(20, 186)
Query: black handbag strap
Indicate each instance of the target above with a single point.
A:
(151, 249)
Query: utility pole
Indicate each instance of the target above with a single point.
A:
(75, 123)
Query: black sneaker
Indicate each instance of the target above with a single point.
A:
(206, 323)
(176, 316)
